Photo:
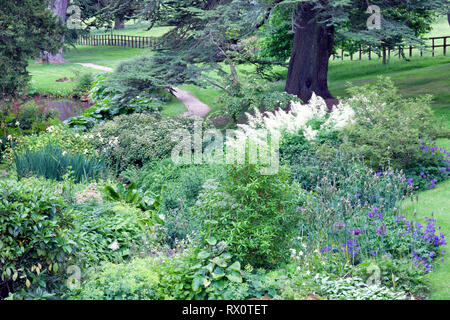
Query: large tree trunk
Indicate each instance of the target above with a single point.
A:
(313, 45)
(118, 24)
(59, 7)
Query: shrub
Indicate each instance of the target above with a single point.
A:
(388, 127)
(132, 140)
(33, 242)
(432, 170)
(402, 275)
(84, 83)
(110, 103)
(253, 95)
(211, 273)
(136, 280)
(32, 119)
(27, 119)
(182, 184)
(108, 232)
(382, 234)
(52, 162)
(61, 135)
(255, 215)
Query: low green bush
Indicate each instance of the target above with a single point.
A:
(136, 280)
(353, 288)
(402, 275)
(388, 128)
(182, 184)
(112, 98)
(254, 94)
(133, 140)
(54, 163)
(84, 83)
(33, 245)
(66, 138)
(256, 215)
(110, 232)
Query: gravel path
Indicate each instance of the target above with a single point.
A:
(96, 66)
(195, 106)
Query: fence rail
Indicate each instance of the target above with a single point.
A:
(138, 42)
(436, 43)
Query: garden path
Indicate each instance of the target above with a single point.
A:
(193, 104)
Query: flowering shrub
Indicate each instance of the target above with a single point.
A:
(388, 127)
(306, 118)
(382, 234)
(89, 194)
(436, 168)
(132, 140)
(60, 135)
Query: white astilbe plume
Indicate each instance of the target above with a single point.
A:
(293, 121)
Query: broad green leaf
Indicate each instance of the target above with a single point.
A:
(203, 255)
(212, 241)
(236, 266)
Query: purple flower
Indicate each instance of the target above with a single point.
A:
(381, 230)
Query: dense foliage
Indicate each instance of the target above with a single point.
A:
(33, 224)
(37, 30)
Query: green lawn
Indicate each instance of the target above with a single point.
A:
(419, 77)
(104, 56)
(44, 76)
(173, 108)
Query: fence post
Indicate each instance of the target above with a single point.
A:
(410, 51)
(432, 46)
(445, 46)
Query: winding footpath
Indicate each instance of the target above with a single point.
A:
(193, 104)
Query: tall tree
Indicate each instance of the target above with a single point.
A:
(59, 8)
(111, 14)
(22, 39)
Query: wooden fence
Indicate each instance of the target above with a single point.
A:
(119, 41)
(408, 51)
(151, 42)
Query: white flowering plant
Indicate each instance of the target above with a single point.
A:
(309, 119)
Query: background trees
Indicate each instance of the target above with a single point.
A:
(36, 31)
(211, 31)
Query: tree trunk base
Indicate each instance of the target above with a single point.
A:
(313, 45)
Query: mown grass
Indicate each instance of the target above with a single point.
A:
(173, 108)
(44, 76)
